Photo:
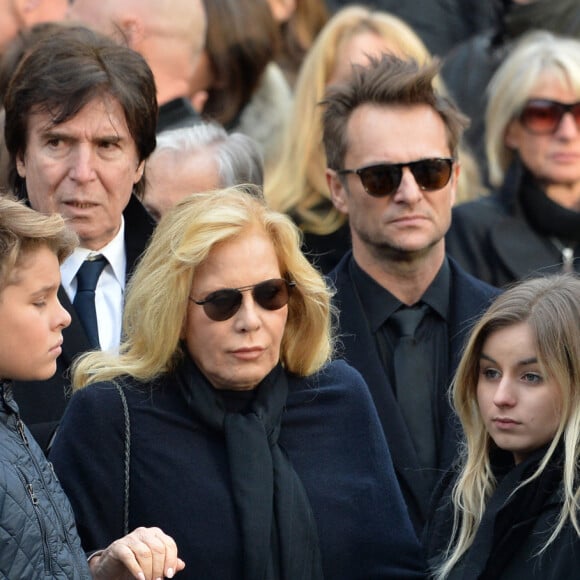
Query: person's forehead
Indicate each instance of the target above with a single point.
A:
(100, 111)
(177, 173)
(394, 125)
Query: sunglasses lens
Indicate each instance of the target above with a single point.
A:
(222, 304)
(432, 174)
(542, 117)
(380, 180)
(272, 294)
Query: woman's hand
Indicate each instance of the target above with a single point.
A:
(144, 554)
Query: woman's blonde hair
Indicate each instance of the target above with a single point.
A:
(551, 308)
(538, 53)
(158, 293)
(297, 184)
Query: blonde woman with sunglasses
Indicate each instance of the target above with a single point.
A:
(531, 224)
(259, 456)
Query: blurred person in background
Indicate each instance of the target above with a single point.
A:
(237, 82)
(204, 157)
(19, 15)
(468, 68)
(441, 24)
(531, 223)
(170, 36)
(300, 22)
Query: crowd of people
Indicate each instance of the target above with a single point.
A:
(290, 289)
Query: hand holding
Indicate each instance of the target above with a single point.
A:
(144, 554)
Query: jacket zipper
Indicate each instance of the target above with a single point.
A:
(72, 552)
(34, 500)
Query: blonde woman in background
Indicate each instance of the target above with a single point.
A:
(300, 21)
(297, 184)
(530, 224)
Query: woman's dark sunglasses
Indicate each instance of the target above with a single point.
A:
(385, 178)
(543, 117)
(223, 304)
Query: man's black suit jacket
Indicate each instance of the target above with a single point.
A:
(42, 403)
(469, 298)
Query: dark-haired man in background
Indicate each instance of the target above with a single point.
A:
(81, 115)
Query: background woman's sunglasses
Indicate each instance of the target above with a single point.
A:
(385, 178)
(543, 117)
(223, 304)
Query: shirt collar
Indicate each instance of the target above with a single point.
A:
(438, 294)
(379, 304)
(114, 251)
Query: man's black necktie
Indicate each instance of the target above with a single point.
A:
(84, 301)
(414, 379)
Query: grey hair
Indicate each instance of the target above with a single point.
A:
(536, 54)
(239, 158)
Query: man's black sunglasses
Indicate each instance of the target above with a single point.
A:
(385, 178)
(223, 304)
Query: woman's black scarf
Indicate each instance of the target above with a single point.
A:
(278, 531)
(515, 518)
(546, 216)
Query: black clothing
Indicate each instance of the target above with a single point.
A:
(42, 403)
(494, 239)
(379, 307)
(514, 527)
(181, 477)
(268, 495)
(177, 114)
(467, 299)
(379, 304)
(414, 385)
(326, 251)
(37, 527)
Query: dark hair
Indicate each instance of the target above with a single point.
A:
(385, 81)
(242, 38)
(63, 72)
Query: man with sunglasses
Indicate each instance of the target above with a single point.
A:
(530, 224)
(391, 144)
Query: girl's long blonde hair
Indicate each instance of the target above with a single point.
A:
(551, 308)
